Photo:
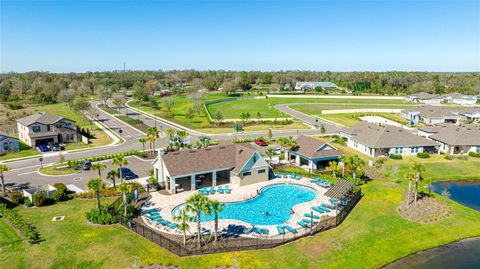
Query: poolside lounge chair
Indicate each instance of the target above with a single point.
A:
(308, 215)
(326, 209)
(264, 231)
(290, 229)
(201, 192)
(292, 175)
(280, 229)
(306, 221)
(256, 230)
(299, 177)
(205, 191)
(227, 189)
(248, 231)
(173, 225)
(318, 209)
(212, 190)
(304, 225)
(149, 211)
(220, 189)
(285, 175)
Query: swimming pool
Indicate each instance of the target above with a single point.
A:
(272, 206)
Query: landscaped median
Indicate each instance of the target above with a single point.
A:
(70, 166)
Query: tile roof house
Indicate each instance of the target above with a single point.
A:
(8, 144)
(43, 128)
(454, 139)
(383, 140)
(194, 168)
(425, 98)
(312, 154)
(460, 99)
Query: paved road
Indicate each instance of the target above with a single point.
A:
(330, 128)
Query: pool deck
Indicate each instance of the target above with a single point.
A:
(166, 204)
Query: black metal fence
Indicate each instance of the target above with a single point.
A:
(174, 243)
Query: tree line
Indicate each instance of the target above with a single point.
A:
(45, 88)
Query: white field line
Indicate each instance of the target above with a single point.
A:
(337, 97)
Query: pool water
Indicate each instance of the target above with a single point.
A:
(272, 206)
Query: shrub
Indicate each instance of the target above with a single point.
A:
(104, 216)
(27, 202)
(14, 105)
(108, 192)
(60, 195)
(395, 156)
(16, 197)
(448, 157)
(40, 199)
(60, 186)
(474, 154)
(30, 232)
(423, 155)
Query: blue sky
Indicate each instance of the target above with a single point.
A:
(73, 36)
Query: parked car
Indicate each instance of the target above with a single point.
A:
(128, 174)
(260, 142)
(85, 165)
(43, 148)
(55, 147)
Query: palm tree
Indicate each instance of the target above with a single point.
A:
(119, 161)
(96, 185)
(3, 168)
(152, 135)
(183, 218)
(270, 152)
(175, 142)
(170, 132)
(99, 167)
(113, 175)
(216, 207)
(183, 134)
(197, 204)
(125, 188)
(355, 163)
(346, 160)
(417, 168)
(333, 166)
(143, 141)
(410, 177)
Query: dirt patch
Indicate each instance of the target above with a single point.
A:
(426, 210)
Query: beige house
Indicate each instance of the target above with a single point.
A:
(384, 140)
(192, 169)
(454, 139)
(43, 128)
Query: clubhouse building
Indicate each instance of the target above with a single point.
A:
(192, 169)
(312, 154)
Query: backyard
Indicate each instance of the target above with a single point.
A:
(360, 240)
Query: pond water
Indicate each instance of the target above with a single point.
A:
(466, 193)
(464, 254)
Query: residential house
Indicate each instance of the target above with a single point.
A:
(312, 154)
(425, 98)
(8, 144)
(471, 114)
(383, 140)
(460, 99)
(191, 169)
(454, 139)
(302, 85)
(43, 128)
(431, 115)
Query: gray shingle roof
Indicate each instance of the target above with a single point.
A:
(435, 111)
(309, 147)
(456, 135)
(192, 161)
(41, 117)
(386, 136)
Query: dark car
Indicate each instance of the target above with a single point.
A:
(128, 174)
(55, 147)
(260, 142)
(85, 165)
(43, 148)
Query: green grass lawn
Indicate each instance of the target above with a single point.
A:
(349, 119)
(182, 103)
(372, 235)
(53, 171)
(134, 122)
(233, 109)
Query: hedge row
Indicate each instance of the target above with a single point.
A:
(245, 140)
(474, 154)
(30, 231)
(74, 163)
